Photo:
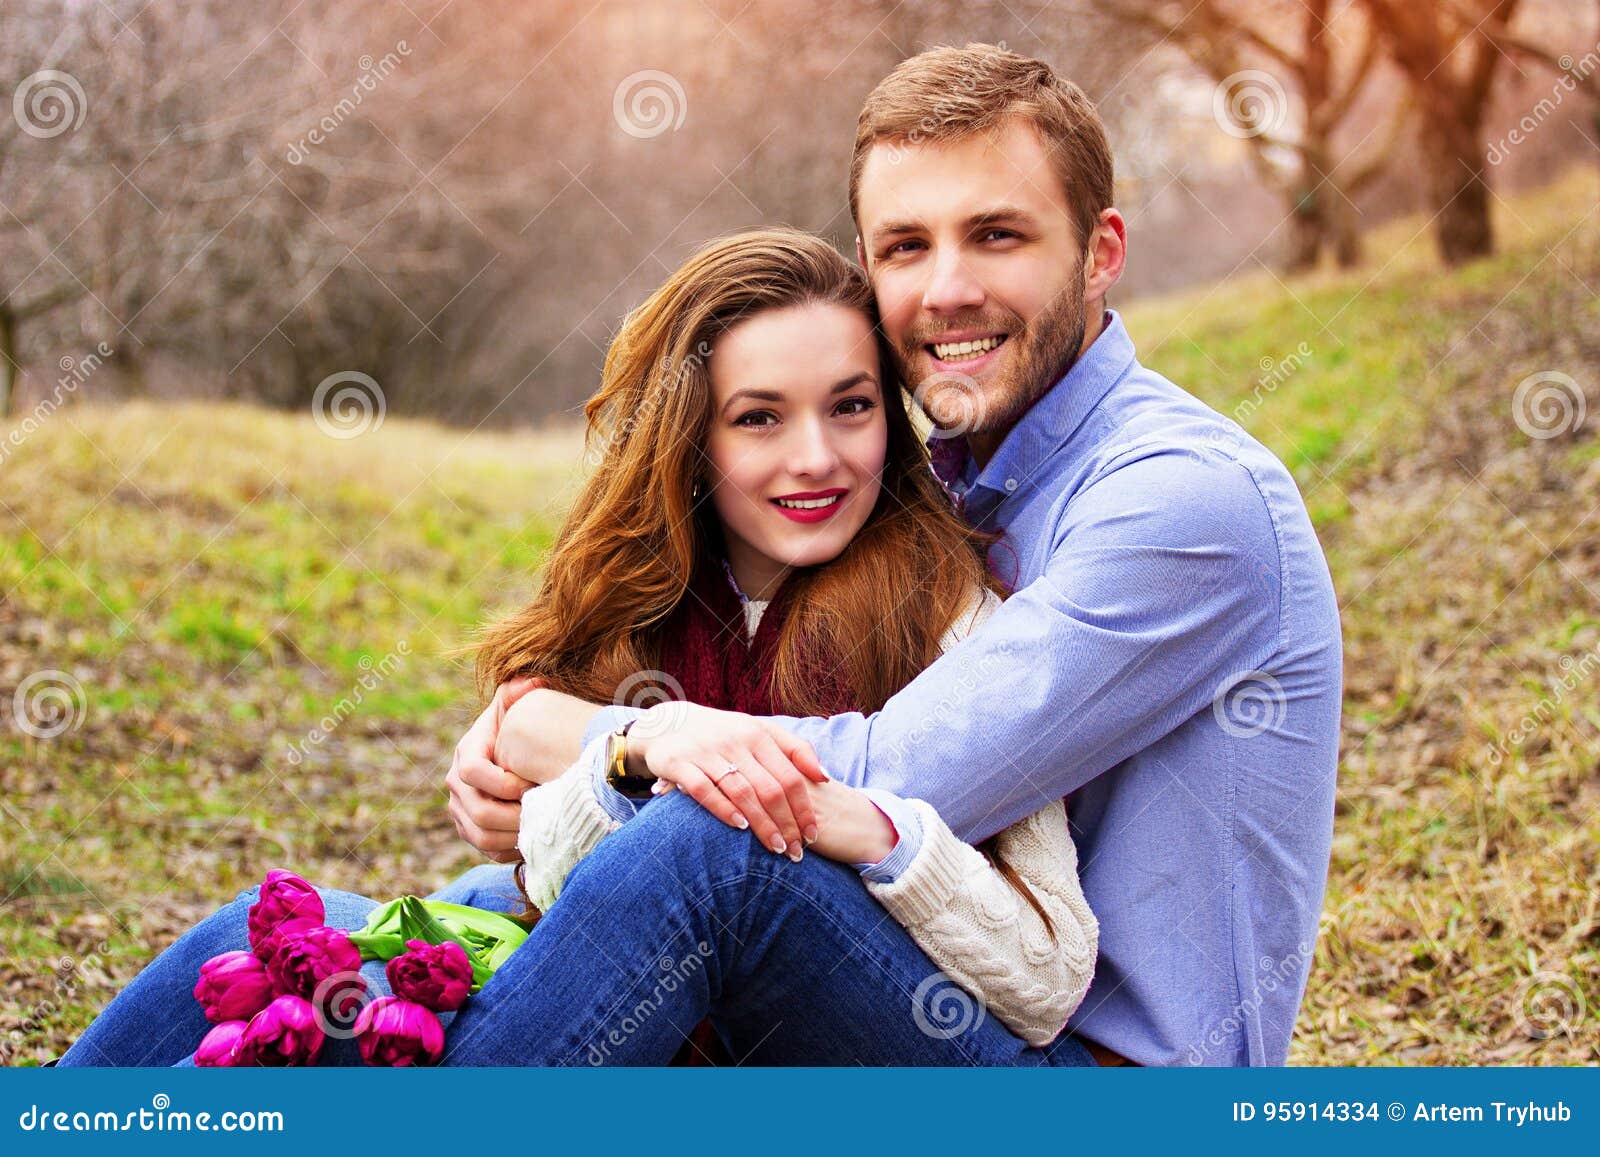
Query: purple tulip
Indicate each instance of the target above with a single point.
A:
(216, 1051)
(284, 1033)
(233, 986)
(321, 965)
(395, 1032)
(287, 904)
(436, 976)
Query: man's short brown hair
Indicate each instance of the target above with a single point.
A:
(948, 93)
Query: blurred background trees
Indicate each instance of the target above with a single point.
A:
(461, 199)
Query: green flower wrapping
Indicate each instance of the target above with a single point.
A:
(488, 938)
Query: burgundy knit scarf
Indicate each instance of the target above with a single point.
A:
(704, 648)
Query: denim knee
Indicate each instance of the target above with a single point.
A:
(678, 825)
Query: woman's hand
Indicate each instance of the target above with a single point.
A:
(694, 748)
(485, 799)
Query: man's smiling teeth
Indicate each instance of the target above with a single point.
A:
(807, 503)
(944, 351)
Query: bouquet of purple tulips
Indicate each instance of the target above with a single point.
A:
(301, 981)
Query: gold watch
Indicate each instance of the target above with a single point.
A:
(617, 774)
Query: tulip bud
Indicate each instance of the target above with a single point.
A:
(233, 986)
(286, 902)
(321, 965)
(284, 1033)
(436, 976)
(395, 1032)
(217, 1050)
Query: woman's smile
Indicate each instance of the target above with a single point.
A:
(811, 505)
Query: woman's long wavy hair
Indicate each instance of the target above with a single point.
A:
(624, 558)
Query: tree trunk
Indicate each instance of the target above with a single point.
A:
(1460, 195)
(9, 366)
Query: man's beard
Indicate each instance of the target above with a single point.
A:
(1046, 349)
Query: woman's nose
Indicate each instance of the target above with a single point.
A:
(813, 454)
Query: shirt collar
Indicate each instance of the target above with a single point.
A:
(1047, 426)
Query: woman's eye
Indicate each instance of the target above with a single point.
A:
(756, 419)
(852, 406)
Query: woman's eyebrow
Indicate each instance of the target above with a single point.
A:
(844, 384)
(755, 395)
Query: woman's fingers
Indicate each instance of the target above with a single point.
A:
(696, 784)
(796, 750)
(792, 779)
(759, 795)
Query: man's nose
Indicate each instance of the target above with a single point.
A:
(951, 287)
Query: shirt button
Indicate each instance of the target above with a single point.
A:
(1011, 483)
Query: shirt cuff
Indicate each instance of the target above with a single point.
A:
(906, 823)
(616, 805)
(608, 719)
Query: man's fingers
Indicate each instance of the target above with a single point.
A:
(797, 751)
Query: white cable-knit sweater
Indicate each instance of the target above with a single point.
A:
(957, 906)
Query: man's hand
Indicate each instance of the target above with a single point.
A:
(694, 747)
(485, 799)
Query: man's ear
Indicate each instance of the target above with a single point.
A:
(861, 253)
(1106, 257)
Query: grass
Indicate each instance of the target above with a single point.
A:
(209, 581)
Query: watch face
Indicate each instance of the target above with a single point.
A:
(632, 786)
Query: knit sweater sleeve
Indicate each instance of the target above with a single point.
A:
(562, 822)
(985, 935)
(979, 929)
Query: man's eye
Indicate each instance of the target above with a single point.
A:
(899, 247)
(998, 234)
(756, 419)
(852, 406)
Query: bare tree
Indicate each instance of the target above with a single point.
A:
(1450, 59)
(1295, 41)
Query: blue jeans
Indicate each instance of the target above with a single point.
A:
(673, 917)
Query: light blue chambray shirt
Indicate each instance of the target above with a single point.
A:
(1170, 661)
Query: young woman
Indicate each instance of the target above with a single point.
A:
(762, 534)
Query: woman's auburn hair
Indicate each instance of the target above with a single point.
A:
(624, 558)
